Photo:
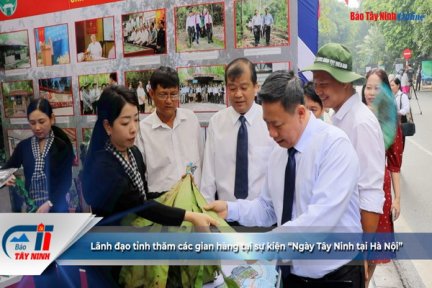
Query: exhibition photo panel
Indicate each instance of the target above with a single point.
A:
(52, 45)
(95, 39)
(261, 23)
(139, 82)
(14, 50)
(200, 27)
(16, 97)
(58, 91)
(202, 88)
(90, 89)
(144, 33)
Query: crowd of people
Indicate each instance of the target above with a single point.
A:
(146, 34)
(213, 92)
(276, 165)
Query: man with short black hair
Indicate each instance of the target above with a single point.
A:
(238, 144)
(303, 191)
(333, 80)
(169, 137)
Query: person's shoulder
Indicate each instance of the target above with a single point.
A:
(221, 114)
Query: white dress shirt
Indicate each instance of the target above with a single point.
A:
(167, 151)
(364, 131)
(220, 153)
(141, 95)
(95, 50)
(402, 103)
(326, 195)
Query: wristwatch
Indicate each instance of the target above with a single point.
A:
(50, 204)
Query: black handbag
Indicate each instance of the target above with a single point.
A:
(407, 123)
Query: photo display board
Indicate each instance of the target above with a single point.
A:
(67, 56)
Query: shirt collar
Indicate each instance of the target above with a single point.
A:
(250, 115)
(346, 107)
(156, 122)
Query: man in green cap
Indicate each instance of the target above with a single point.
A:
(333, 81)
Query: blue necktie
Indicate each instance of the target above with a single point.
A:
(288, 200)
(241, 175)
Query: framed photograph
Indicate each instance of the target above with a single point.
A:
(200, 27)
(144, 33)
(90, 89)
(202, 88)
(139, 81)
(58, 91)
(261, 23)
(95, 39)
(14, 50)
(52, 45)
(72, 134)
(15, 136)
(16, 97)
(263, 70)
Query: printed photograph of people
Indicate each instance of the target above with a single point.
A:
(200, 27)
(58, 91)
(90, 89)
(52, 45)
(202, 88)
(139, 81)
(14, 50)
(16, 97)
(263, 70)
(95, 39)
(144, 33)
(261, 23)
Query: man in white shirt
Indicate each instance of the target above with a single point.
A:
(208, 22)
(94, 49)
(220, 168)
(333, 80)
(169, 137)
(190, 27)
(303, 191)
(141, 96)
(257, 25)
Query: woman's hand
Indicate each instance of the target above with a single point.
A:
(395, 209)
(10, 181)
(44, 208)
(200, 221)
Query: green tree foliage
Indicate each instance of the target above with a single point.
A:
(398, 35)
(99, 79)
(7, 87)
(186, 73)
(135, 76)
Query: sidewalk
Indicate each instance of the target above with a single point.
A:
(386, 276)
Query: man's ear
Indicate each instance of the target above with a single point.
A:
(107, 127)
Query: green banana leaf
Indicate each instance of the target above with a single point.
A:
(184, 194)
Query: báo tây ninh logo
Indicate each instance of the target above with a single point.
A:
(8, 7)
(28, 242)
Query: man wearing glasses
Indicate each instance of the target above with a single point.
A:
(169, 138)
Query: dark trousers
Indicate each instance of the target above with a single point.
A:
(267, 30)
(191, 34)
(347, 276)
(209, 29)
(257, 34)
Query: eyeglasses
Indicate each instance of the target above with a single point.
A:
(164, 96)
